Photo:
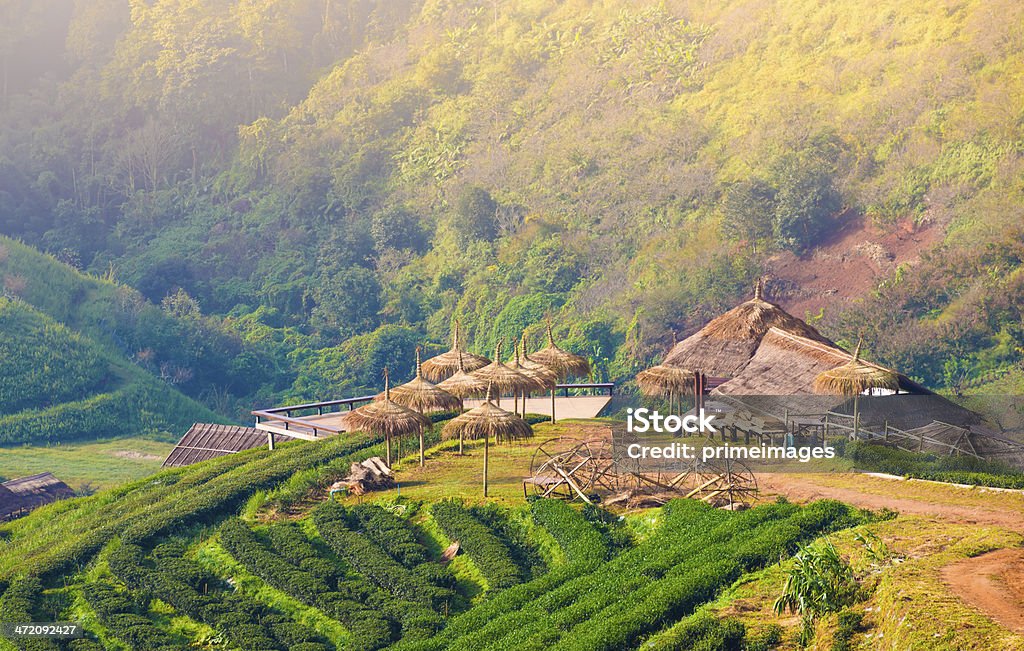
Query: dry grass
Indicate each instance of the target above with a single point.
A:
(725, 345)
(661, 381)
(487, 421)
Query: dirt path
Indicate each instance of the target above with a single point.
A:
(993, 583)
(872, 493)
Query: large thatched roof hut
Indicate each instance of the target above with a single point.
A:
(724, 346)
(786, 364)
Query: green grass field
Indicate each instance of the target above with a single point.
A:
(98, 464)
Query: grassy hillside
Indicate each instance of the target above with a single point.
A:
(71, 380)
(46, 364)
(140, 565)
(89, 465)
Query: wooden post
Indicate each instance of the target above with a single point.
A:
(486, 455)
(270, 440)
(552, 404)
(856, 416)
(423, 455)
(387, 449)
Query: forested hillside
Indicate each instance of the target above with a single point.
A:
(67, 375)
(310, 187)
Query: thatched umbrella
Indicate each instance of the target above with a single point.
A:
(442, 366)
(665, 381)
(486, 421)
(423, 396)
(854, 378)
(463, 385)
(561, 362)
(386, 417)
(502, 378)
(543, 377)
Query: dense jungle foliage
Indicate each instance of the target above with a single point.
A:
(299, 192)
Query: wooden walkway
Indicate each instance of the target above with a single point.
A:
(571, 407)
(314, 427)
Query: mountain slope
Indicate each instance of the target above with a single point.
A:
(628, 168)
(60, 385)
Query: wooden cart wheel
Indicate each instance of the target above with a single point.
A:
(562, 473)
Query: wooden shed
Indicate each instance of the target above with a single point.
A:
(19, 496)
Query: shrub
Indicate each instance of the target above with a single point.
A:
(490, 555)
(583, 544)
(392, 533)
(819, 583)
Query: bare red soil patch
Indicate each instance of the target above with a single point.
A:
(848, 264)
(992, 583)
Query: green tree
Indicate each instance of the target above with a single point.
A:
(805, 201)
(348, 301)
(476, 215)
(748, 210)
(397, 228)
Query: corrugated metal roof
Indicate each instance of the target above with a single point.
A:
(208, 441)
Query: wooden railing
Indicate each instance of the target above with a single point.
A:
(285, 414)
(600, 386)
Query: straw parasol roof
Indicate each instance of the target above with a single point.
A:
(562, 362)
(422, 395)
(543, 378)
(446, 364)
(538, 370)
(501, 377)
(854, 378)
(724, 346)
(486, 421)
(661, 380)
(386, 417)
(463, 384)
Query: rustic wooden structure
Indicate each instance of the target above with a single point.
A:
(570, 468)
(20, 496)
(208, 441)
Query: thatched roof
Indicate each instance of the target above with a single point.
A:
(787, 364)
(422, 395)
(446, 364)
(386, 417)
(543, 378)
(498, 375)
(854, 378)
(463, 384)
(661, 380)
(724, 346)
(487, 420)
(562, 362)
